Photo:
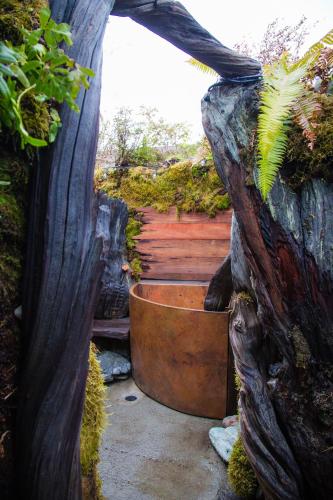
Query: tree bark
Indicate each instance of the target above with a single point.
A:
(113, 301)
(62, 275)
(282, 319)
(220, 288)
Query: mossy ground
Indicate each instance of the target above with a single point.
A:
(92, 426)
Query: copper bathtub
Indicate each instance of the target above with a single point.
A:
(179, 351)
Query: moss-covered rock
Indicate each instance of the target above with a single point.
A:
(92, 427)
(240, 473)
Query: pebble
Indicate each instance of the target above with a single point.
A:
(230, 421)
(114, 366)
(223, 440)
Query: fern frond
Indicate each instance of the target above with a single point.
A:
(202, 67)
(282, 88)
(306, 110)
(311, 56)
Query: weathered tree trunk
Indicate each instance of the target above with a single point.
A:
(114, 296)
(282, 319)
(62, 276)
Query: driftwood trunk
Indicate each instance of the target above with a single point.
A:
(62, 275)
(282, 319)
(114, 296)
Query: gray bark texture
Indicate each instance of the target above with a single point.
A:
(62, 276)
(113, 301)
(282, 309)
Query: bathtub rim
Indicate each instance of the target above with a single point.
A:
(132, 294)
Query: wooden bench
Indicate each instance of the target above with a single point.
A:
(117, 329)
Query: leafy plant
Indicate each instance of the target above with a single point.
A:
(40, 70)
(203, 68)
(284, 94)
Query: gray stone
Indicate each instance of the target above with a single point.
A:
(230, 421)
(223, 440)
(114, 366)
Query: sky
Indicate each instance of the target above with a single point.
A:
(142, 69)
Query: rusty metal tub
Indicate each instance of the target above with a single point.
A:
(179, 351)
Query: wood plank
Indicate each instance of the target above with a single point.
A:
(170, 265)
(152, 216)
(112, 329)
(177, 276)
(185, 231)
(193, 248)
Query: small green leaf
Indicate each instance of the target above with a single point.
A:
(50, 39)
(4, 89)
(5, 70)
(54, 115)
(8, 55)
(41, 98)
(87, 71)
(20, 75)
(53, 132)
(32, 65)
(44, 16)
(39, 48)
(4, 183)
(38, 143)
(34, 37)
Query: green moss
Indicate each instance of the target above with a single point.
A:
(301, 348)
(302, 163)
(18, 14)
(245, 296)
(36, 117)
(240, 473)
(133, 229)
(136, 268)
(188, 187)
(92, 423)
(238, 382)
(12, 228)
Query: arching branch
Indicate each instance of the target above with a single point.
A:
(174, 23)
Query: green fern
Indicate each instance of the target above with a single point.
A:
(285, 96)
(280, 91)
(202, 67)
(314, 51)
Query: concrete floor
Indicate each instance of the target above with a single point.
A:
(151, 452)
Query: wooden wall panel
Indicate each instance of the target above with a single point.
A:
(183, 247)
